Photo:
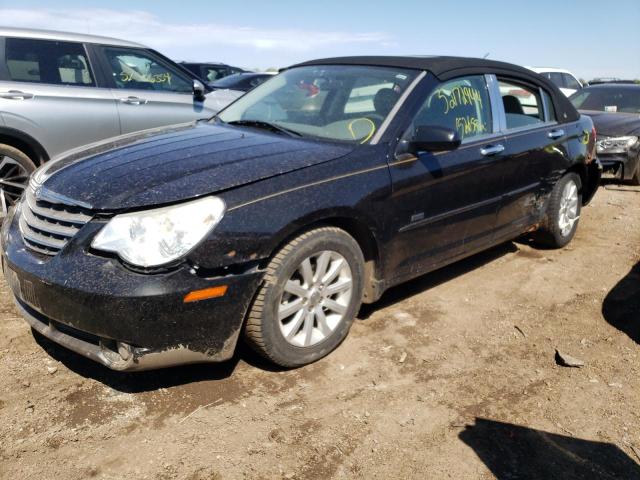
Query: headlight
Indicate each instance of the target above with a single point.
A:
(157, 237)
(616, 144)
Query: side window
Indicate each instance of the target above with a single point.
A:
(44, 61)
(141, 70)
(522, 104)
(462, 104)
(215, 73)
(571, 82)
(557, 79)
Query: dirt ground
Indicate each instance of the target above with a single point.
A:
(450, 376)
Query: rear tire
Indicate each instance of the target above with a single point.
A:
(311, 293)
(15, 168)
(563, 213)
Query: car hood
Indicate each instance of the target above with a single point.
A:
(174, 164)
(614, 124)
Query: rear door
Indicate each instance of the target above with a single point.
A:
(150, 91)
(536, 148)
(48, 90)
(444, 200)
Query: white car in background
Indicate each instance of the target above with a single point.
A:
(563, 79)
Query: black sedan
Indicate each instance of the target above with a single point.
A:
(614, 109)
(311, 194)
(241, 82)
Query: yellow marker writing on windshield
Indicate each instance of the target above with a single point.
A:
(371, 131)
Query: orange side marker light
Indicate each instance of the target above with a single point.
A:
(205, 294)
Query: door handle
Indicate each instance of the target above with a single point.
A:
(492, 150)
(16, 95)
(557, 133)
(133, 101)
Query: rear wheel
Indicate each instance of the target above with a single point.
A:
(563, 213)
(310, 296)
(15, 168)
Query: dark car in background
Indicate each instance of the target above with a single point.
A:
(615, 111)
(241, 82)
(314, 192)
(211, 71)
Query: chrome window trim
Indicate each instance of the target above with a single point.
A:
(469, 141)
(385, 124)
(528, 128)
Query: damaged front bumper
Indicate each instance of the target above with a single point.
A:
(620, 166)
(125, 320)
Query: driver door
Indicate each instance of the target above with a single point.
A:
(447, 201)
(149, 91)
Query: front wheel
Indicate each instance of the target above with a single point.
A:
(563, 213)
(15, 168)
(311, 293)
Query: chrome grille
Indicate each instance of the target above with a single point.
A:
(47, 226)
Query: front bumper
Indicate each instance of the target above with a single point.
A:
(621, 166)
(124, 320)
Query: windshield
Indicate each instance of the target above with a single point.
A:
(608, 99)
(340, 103)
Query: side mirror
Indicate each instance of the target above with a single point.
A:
(433, 138)
(199, 90)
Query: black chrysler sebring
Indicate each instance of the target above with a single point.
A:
(276, 219)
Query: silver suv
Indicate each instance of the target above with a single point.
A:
(59, 91)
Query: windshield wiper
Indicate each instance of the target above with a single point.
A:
(267, 126)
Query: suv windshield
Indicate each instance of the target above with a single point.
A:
(608, 99)
(340, 103)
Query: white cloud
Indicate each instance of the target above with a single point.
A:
(149, 29)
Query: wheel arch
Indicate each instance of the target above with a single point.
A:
(359, 228)
(25, 143)
(589, 177)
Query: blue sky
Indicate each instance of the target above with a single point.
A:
(583, 36)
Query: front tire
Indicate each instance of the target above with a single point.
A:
(311, 293)
(15, 168)
(563, 213)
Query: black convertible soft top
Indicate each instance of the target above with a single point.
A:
(445, 68)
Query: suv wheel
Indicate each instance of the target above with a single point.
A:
(311, 293)
(15, 168)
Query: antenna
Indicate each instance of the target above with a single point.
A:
(486, 55)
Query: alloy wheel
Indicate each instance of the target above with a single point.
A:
(13, 180)
(315, 299)
(568, 208)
